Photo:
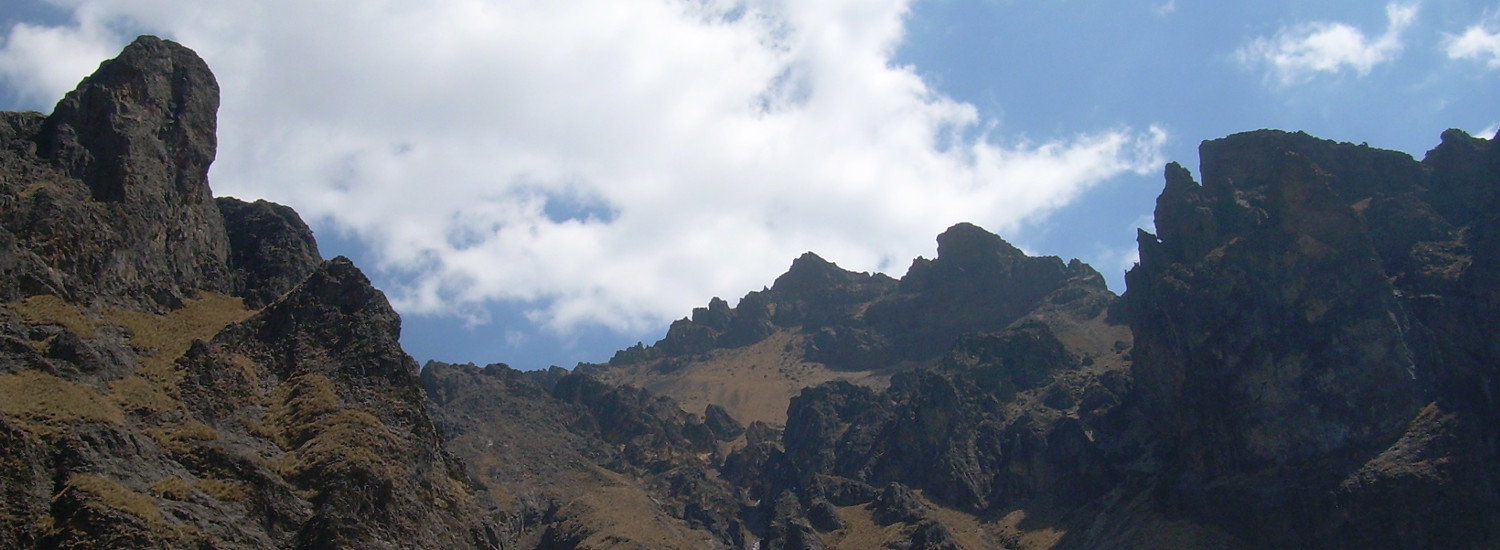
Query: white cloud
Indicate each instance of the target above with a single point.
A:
(40, 63)
(1167, 8)
(1477, 42)
(611, 161)
(1297, 54)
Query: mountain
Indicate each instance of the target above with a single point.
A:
(820, 323)
(183, 371)
(1304, 358)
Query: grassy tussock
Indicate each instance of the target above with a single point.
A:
(298, 404)
(347, 443)
(259, 429)
(51, 402)
(118, 497)
(248, 370)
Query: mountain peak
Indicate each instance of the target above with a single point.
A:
(122, 166)
(809, 272)
(149, 113)
(965, 242)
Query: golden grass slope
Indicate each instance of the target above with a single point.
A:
(755, 382)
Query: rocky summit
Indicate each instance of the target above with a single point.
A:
(1304, 358)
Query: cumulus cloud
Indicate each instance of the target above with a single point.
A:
(1477, 42)
(604, 162)
(38, 63)
(1295, 55)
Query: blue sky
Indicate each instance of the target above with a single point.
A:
(543, 182)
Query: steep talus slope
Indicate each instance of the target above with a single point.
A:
(1314, 343)
(144, 400)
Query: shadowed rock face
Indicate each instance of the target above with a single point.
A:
(270, 249)
(140, 134)
(1298, 327)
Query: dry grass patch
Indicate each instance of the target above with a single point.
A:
(174, 488)
(41, 398)
(160, 339)
(46, 309)
(347, 443)
(970, 532)
(259, 429)
(297, 405)
(861, 531)
(248, 370)
(227, 491)
(1014, 531)
(138, 395)
(623, 516)
(182, 437)
(118, 497)
(324, 438)
(755, 382)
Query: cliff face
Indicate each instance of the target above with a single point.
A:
(178, 371)
(142, 229)
(1311, 334)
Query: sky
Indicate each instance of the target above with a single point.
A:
(543, 182)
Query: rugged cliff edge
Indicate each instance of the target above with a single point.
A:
(1314, 329)
(178, 371)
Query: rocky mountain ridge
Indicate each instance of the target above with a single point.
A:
(182, 371)
(1304, 358)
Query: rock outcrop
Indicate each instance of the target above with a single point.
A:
(270, 249)
(1306, 340)
(821, 323)
(181, 372)
(143, 229)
